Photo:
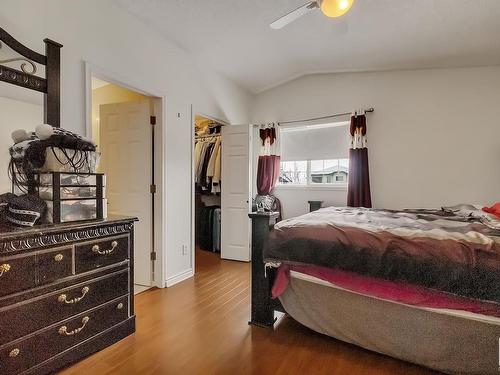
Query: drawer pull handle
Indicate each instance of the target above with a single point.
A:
(63, 331)
(119, 306)
(59, 257)
(97, 250)
(4, 268)
(14, 353)
(63, 297)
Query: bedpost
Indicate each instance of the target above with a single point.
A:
(262, 305)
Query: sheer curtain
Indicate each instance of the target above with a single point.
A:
(358, 191)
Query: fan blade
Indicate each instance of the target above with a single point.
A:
(294, 14)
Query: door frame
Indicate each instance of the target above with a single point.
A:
(159, 109)
(192, 246)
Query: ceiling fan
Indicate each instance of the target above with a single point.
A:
(330, 8)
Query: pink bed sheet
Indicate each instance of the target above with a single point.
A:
(384, 289)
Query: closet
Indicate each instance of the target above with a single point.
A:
(208, 183)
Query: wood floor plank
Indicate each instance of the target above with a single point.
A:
(200, 327)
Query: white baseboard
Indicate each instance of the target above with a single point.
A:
(179, 277)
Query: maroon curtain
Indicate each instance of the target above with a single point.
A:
(358, 191)
(268, 170)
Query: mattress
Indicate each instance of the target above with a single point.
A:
(450, 341)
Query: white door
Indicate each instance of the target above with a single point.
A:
(235, 224)
(125, 137)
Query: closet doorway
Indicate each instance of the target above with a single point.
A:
(207, 160)
(221, 190)
(123, 125)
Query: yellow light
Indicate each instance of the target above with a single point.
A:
(335, 8)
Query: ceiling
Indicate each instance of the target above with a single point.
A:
(98, 83)
(234, 37)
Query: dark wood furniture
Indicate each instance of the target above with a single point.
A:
(263, 306)
(314, 205)
(66, 291)
(26, 76)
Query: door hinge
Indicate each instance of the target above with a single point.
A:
(152, 189)
(153, 255)
(152, 120)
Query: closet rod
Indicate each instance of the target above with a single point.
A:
(207, 136)
(369, 110)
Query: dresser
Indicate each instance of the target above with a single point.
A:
(66, 291)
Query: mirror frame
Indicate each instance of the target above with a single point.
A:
(50, 86)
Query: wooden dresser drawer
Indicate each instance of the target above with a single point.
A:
(54, 265)
(34, 349)
(101, 252)
(17, 274)
(56, 306)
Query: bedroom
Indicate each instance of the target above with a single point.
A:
(430, 70)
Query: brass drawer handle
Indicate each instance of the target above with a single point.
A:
(63, 331)
(14, 353)
(63, 297)
(97, 250)
(4, 268)
(59, 257)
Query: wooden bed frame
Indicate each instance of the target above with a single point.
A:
(263, 306)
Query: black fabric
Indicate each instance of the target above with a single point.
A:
(23, 210)
(203, 179)
(204, 233)
(5, 200)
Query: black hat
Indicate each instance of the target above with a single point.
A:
(26, 210)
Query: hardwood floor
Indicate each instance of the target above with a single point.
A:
(200, 327)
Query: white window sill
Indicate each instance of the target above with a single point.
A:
(311, 187)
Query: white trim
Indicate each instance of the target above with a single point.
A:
(92, 70)
(193, 208)
(184, 275)
(24, 212)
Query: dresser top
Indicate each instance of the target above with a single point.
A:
(11, 232)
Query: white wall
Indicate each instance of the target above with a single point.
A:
(434, 138)
(111, 39)
(14, 114)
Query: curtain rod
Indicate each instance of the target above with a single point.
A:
(369, 110)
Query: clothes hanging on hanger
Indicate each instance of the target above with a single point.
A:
(207, 164)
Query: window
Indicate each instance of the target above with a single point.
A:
(314, 172)
(293, 172)
(315, 155)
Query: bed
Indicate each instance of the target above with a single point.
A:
(418, 285)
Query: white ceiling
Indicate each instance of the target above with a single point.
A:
(234, 37)
(98, 83)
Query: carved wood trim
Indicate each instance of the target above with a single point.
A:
(19, 78)
(63, 237)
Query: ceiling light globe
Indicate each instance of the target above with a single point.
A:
(335, 8)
